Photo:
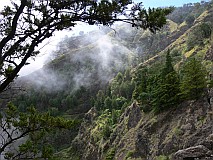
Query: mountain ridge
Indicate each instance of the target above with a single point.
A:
(99, 78)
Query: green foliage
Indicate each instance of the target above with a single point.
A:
(115, 116)
(190, 19)
(126, 89)
(152, 89)
(119, 102)
(162, 157)
(168, 67)
(108, 103)
(118, 93)
(62, 138)
(71, 102)
(188, 11)
(99, 102)
(198, 35)
(210, 84)
(67, 154)
(129, 154)
(31, 128)
(141, 83)
(193, 80)
(62, 100)
(145, 82)
(8, 71)
(176, 55)
(157, 91)
(105, 124)
(167, 90)
(119, 78)
(115, 85)
(110, 154)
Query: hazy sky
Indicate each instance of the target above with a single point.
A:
(147, 3)
(163, 3)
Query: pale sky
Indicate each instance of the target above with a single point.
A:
(165, 3)
(147, 3)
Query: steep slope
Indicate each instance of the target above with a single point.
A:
(81, 76)
(181, 132)
(149, 136)
(85, 64)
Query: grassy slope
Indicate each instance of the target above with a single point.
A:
(161, 130)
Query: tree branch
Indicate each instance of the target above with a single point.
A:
(14, 26)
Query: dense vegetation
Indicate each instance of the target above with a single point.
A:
(32, 130)
(172, 74)
(155, 89)
(26, 24)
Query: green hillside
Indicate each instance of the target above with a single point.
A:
(130, 89)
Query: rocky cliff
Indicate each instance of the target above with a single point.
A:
(181, 132)
(184, 132)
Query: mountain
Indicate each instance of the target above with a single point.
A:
(147, 136)
(132, 90)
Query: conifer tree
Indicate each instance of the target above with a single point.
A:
(99, 102)
(144, 84)
(108, 103)
(167, 90)
(141, 84)
(168, 68)
(193, 79)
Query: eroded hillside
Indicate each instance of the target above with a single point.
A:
(182, 131)
(124, 79)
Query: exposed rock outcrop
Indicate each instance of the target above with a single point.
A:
(199, 151)
(180, 132)
(132, 115)
(84, 140)
(202, 151)
(210, 97)
(209, 54)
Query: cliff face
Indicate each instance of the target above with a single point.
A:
(184, 132)
(180, 133)
(209, 54)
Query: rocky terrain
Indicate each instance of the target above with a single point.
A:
(185, 132)
(129, 132)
